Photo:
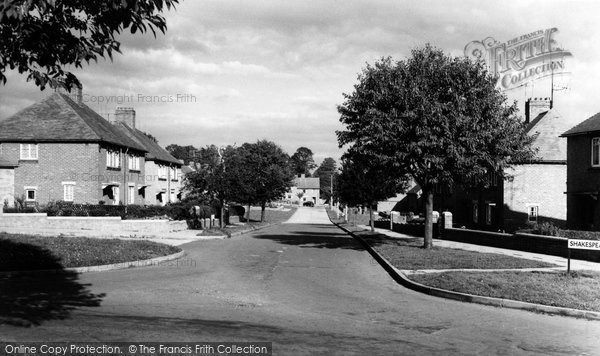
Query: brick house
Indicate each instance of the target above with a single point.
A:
(583, 175)
(64, 151)
(162, 170)
(304, 190)
(534, 190)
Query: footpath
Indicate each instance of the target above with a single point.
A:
(560, 261)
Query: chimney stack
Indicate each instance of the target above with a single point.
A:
(76, 93)
(536, 106)
(126, 116)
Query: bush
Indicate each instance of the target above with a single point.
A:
(544, 228)
(237, 210)
(580, 235)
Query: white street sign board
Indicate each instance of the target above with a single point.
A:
(584, 244)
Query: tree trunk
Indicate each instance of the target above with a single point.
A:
(371, 223)
(428, 238)
(262, 211)
(248, 218)
(222, 219)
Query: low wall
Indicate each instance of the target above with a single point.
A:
(547, 245)
(103, 226)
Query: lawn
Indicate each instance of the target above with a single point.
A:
(409, 255)
(26, 252)
(579, 290)
(272, 216)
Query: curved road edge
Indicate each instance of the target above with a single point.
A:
(402, 279)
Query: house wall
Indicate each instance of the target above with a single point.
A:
(7, 187)
(123, 176)
(583, 211)
(309, 194)
(158, 185)
(56, 163)
(542, 185)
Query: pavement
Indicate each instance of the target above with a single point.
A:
(560, 261)
(307, 287)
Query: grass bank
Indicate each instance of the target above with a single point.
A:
(578, 290)
(27, 252)
(272, 216)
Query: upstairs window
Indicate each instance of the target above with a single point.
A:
(596, 152)
(29, 151)
(134, 163)
(174, 175)
(113, 159)
(162, 172)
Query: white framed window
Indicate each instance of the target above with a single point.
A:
(131, 194)
(116, 194)
(113, 159)
(162, 172)
(174, 175)
(28, 151)
(30, 193)
(133, 163)
(68, 191)
(533, 211)
(475, 211)
(596, 152)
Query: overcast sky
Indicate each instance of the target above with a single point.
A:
(277, 69)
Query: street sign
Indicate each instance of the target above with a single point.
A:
(584, 244)
(580, 245)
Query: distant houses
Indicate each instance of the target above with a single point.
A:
(304, 189)
(59, 149)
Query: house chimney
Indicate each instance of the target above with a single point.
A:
(126, 116)
(536, 106)
(76, 93)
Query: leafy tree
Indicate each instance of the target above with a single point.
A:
(327, 173)
(267, 173)
(366, 182)
(437, 118)
(302, 161)
(185, 153)
(43, 37)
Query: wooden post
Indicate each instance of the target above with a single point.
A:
(568, 260)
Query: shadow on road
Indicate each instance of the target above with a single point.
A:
(31, 296)
(314, 239)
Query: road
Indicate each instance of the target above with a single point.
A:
(305, 286)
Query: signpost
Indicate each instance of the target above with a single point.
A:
(581, 245)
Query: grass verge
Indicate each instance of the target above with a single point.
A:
(27, 252)
(407, 254)
(578, 290)
(271, 217)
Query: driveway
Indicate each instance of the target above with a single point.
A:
(305, 286)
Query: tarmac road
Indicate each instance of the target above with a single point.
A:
(308, 288)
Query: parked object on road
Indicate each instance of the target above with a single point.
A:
(308, 203)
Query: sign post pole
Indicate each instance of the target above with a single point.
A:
(568, 260)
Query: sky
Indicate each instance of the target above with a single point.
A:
(229, 72)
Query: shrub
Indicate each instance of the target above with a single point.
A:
(544, 228)
(580, 235)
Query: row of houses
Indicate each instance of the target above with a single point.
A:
(59, 149)
(561, 185)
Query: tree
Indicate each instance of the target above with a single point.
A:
(302, 161)
(437, 118)
(185, 153)
(327, 173)
(365, 182)
(43, 37)
(267, 171)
